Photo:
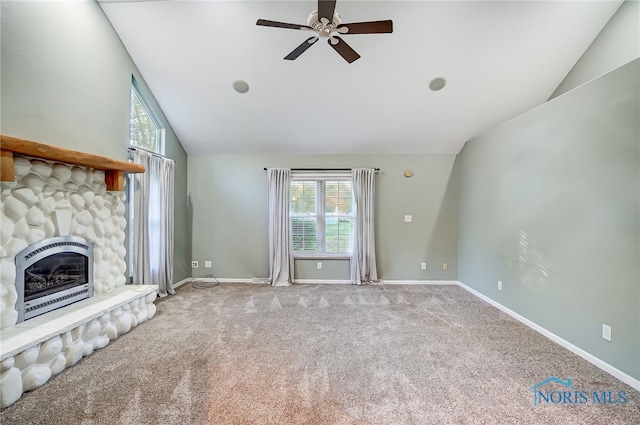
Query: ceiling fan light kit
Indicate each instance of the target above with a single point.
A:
(326, 23)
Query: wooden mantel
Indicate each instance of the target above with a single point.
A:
(113, 168)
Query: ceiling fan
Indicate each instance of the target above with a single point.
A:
(326, 23)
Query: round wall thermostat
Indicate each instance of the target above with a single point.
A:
(408, 173)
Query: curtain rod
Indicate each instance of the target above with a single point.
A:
(322, 169)
(133, 148)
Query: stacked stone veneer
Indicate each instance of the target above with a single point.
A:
(30, 207)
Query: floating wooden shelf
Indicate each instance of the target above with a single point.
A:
(113, 168)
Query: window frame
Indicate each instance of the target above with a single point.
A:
(320, 215)
(153, 118)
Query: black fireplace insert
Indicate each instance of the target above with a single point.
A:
(53, 273)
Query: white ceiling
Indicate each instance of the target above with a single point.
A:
(499, 58)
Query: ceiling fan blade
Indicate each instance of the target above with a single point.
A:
(344, 49)
(326, 8)
(301, 48)
(267, 23)
(373, 27)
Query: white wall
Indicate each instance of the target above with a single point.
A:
(617, 44)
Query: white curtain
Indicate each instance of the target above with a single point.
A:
(280, 261)
(363, 257)
(153, 222)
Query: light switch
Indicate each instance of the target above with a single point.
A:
(408, 218)
(606, 332)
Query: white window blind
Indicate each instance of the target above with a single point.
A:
(322, 213)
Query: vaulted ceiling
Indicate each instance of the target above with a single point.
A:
(498, 58)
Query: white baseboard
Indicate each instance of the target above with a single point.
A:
(211, 279)
(233, 280)
(322, 281)
(182, 282)
(420, 282)
(227, 280)
(627, 379)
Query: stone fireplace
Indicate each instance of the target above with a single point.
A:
(51, 200)
(63, 289)
(53, 273)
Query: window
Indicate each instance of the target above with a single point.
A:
(147, 134)
(321, 217)
(145, 131)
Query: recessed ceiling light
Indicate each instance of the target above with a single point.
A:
(241, 86)
(437, 84)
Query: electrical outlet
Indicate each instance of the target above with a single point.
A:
(319, 265)
(194, 264)
(499, 285)
(606, 332)
(423, 266)
(208, 264)
(445, 266)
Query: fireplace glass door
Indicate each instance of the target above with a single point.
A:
(55, 273)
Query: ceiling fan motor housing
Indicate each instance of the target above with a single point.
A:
(324, 29)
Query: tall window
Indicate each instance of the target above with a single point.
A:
(147, 134)
(321, 217)
(145, 131)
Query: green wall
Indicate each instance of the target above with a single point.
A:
(334, 269)
(66, 81)
(229, 197)
(550, 205)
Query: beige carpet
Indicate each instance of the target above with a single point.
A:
(332, 354)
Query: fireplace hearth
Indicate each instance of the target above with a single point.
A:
(53, 273)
